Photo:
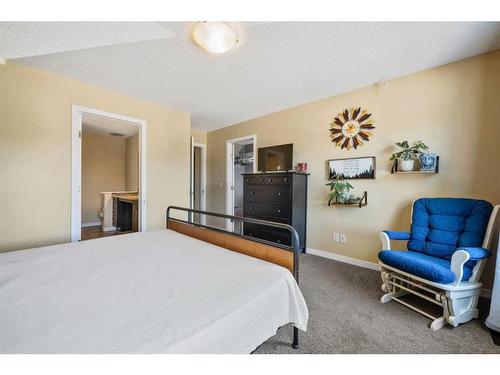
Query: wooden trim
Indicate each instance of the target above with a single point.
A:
(258, 250)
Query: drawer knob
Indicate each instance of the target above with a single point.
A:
(280, 194)
(270, 179)
(248, 180)
(261, 179)
(279, 211)
(285, 179)
(251, 208)
(252, 192)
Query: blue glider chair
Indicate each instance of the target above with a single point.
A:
(447, 250)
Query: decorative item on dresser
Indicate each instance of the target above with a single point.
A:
(278, 197)
(301, 167)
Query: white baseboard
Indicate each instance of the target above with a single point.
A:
(486, 293)
(85, 225)
(108, 229)
(344, 259)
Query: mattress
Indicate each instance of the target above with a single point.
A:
(150, 292)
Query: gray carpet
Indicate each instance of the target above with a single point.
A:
(345, 316)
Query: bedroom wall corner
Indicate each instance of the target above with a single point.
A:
(103, 169)
(199, 136)
(451, 108)
(35, 153)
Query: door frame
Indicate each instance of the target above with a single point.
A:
(203, 177)
(230, 173)
(77, 112)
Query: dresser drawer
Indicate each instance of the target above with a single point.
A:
(268, 179)
(273, 194)
(267, 211)
(277, 235)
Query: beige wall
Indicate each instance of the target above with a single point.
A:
(132, 163)
(453, 108)
(103, 169)
(199, 136)
(35, 153)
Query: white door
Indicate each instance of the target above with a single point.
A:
(198, 180)
(230, 185)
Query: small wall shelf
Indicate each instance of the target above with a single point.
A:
(415, 172)
(394, 169)
(362, 203)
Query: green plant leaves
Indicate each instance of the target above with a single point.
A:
(409, 152)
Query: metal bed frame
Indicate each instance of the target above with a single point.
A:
(295, 243)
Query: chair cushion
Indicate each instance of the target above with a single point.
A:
(440, 225)
(422, 265)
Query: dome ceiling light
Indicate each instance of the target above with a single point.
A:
(214, 37)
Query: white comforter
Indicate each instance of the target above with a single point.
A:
(152, 292)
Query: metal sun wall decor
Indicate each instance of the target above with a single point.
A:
(351, 127)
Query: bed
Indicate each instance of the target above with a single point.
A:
(185, 289)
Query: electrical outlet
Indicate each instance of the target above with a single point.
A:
(336, 237)
(343, 238)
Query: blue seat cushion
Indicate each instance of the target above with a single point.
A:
(440, 225)
(422, 265)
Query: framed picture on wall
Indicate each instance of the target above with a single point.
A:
(352, 168)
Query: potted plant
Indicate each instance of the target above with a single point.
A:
(340, 190)
(407, 156)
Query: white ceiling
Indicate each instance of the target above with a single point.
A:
(104, 126)
(25, 39)
(277, 65)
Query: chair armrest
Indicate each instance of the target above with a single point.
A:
(387, 235)
(396, 235)
(458, 259)
(461, 256)
(476, 253)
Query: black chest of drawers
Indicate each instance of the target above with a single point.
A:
(280, 197)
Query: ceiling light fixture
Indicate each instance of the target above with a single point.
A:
(214, 37)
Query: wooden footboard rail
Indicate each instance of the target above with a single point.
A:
(285, 256)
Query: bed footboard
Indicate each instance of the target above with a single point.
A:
(285, 256)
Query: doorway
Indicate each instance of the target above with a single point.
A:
(108, 174)
(198, 179)
(240, 157)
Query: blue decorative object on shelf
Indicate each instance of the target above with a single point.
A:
(428, 161)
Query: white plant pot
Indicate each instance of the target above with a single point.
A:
(406, 165)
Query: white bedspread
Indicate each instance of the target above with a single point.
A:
(152, 292)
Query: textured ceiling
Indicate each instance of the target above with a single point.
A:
(26, 39)
(277, 65)
(102, 125)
